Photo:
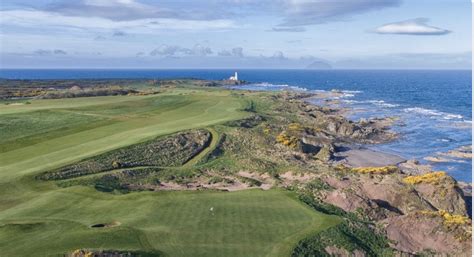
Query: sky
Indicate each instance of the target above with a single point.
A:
(290, 34)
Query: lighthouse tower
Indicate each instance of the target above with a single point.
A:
(235, 77)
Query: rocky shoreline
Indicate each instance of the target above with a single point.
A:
(419, 210)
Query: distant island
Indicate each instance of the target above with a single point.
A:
(319, 65)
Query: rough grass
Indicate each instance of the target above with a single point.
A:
(174, 150)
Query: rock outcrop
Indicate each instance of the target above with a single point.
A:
(418, 232)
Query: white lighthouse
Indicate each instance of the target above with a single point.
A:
(235, 77)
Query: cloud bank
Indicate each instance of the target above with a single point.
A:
(416, 27)
(292, 13)
(309, 12)
(288, 29)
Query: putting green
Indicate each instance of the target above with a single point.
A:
(246, 223)
(41, 219)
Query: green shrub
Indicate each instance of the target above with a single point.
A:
(352, 234)
(170, 151)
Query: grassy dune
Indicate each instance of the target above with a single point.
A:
(40, 219)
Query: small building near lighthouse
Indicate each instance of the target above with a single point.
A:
(235, 77)
(233, 80)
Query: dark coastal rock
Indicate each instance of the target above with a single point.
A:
(466, 188)
(372, 131)
(413, 167)
(326, 153)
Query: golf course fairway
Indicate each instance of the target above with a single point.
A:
(39, 218)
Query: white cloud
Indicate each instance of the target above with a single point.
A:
(178, 51)
(411, 27)
(109, 9)
(136, 16)
(235, 52)
(40, 19)
(45, 52)
(288, 29)
(292, 12)
(308, 12)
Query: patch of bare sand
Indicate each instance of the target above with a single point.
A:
(367, 158)
(231, 183)
(290, 177)
(266, 180)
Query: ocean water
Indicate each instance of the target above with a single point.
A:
(434, 107)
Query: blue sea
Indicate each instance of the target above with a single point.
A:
(434, 107)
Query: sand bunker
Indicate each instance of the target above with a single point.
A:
(106, 225)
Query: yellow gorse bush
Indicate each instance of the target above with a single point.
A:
(82, 253)
(77, 253)
(448, 218)
(375, 170)
(295, 127)
(284, 139)
(432, 177)
(289, 137)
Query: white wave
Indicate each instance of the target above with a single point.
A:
(452, 116)
(351, 91)
(350, 101)
(423, 111)
(274, 86)
(344, 95)
(444, 140)
(319, 91)
(433, 113)
(266, 84)
(382, 103)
